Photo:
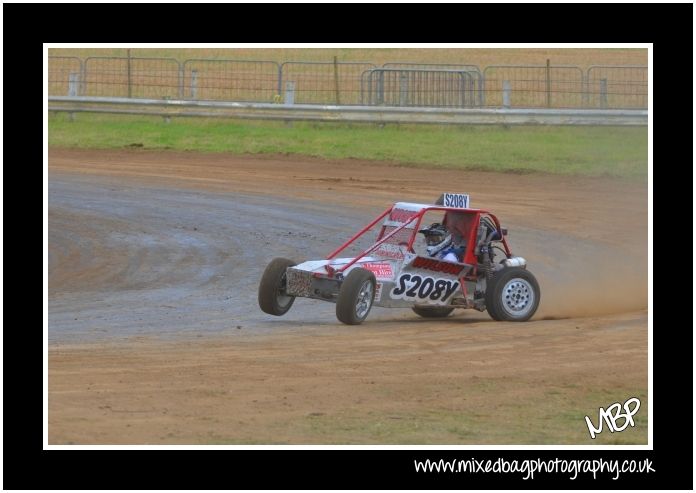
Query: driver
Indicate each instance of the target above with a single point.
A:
(440, 244)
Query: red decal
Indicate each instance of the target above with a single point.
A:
(381, 271)
(401, 215)
(389, 251)
(436, 265)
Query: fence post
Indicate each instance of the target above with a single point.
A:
(403, 89)
(194, 84)
(289, 92)
(548, 83)
(166, 117)
(472, 91)
(380, 88)
(481, 89)
(129, 74)
(83, 78)
(462, 93)
(181, 81)
(507, 88)
(362, 89)
(73, 83)
(338, 99)
(586, 89)
(603, 93)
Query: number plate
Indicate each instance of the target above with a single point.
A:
(458, 200)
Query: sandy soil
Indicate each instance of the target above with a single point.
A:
(155, 335)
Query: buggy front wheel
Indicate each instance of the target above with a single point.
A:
(356, 296)
(273, 298)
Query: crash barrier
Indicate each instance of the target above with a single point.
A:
(352, 83)
(345, 113)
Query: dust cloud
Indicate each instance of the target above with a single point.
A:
(599, 286)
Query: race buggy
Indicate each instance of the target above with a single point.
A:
(395, 271)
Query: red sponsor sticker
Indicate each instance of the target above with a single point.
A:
(390, 251)
(381, 270)
(437, 265)
(378, 292)
(401, 215)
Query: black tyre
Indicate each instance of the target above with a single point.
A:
(356, 296)
(272, 297)
(433, 311)
(512, 295)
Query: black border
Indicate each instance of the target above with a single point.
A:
(669, 27)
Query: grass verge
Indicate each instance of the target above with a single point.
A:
(555, 416)
(592, 151)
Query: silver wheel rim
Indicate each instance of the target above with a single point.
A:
(281, 298)
(362, 306)
(517, 297)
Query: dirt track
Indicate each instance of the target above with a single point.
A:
(155, 335)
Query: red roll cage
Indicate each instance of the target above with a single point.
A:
(463, 221)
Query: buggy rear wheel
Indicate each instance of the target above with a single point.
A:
(273, 298)
(356, 296)
(512, 295)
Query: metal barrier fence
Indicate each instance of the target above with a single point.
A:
(531, 86)
(352, 83)
(474, 70)
(132, 77)
(322, 82)
(419, 87)
(617, 86)
(231, 80)
(64, 75)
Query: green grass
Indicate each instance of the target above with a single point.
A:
(557, 417)
(594, 151)
(549, 416)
